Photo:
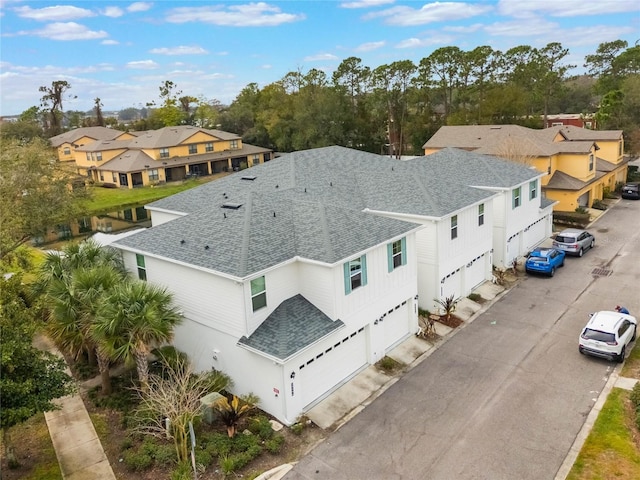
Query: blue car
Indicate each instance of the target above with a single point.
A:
(544, 260)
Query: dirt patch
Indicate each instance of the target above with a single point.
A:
(450, 321)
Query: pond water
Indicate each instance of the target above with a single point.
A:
(107, 222)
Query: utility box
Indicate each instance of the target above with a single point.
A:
(206, 402)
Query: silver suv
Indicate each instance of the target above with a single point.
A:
(607, 335)
(574, 241)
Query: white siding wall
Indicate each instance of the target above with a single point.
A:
(158, 218)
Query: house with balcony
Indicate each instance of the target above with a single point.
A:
(135, 159)
(579, 165)
(295, 275)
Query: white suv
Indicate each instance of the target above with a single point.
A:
(607, 335)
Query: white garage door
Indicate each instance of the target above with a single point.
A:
(535, 234)
(396, 324)
(474, 273)
(326, 370)
(450, 285)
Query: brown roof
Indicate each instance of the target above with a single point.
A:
(495, 140)
(97, 133)
(573, 133)
(172, 136)
(137, 160)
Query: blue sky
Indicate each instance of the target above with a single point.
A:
(122, 51)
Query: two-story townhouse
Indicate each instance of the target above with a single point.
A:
(287, 294)
(168, 154)
(289, 234)
(67, 143)
(579, 164)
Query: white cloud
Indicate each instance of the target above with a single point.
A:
(565, 8)
(320, 57)
(139, 7)
(528, 28)
(109, 42)
(65, 32)
(181, 50)
(365, 3)
(143, 65)
(248, 15)
(53, 14)
(430, 13)
(424, 42)
(113, 12)
(266, 67)
(464, 29)
(369, 46)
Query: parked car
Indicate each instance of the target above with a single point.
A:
(574, 241)
(544, 260)
(607, 335)
(631, 191)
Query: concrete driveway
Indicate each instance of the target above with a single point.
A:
(506, 396)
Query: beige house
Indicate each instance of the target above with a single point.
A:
(66, 143)
(133, 159)
(580, 164)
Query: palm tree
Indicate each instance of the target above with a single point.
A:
(73, 282)
(133, 319)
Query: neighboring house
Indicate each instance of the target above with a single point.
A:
(579, 120)
(296, 274)
(168, 154)
(67, 143)
(579, 164)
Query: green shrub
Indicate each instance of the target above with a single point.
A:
(184, 471)
(297, 428)
(423, 313)
(635, 395)
(274, 445)
(126, 444)
(388, 364)
(137, 461)
(474, 297)
(165, 455)
(203, 457)
(599, 205)
(261, 426)
(217, 444)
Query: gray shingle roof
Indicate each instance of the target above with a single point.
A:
(266, 230)
(432, 186)
(172, 136)
(293, 325)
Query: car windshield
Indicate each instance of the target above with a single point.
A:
(598, 335)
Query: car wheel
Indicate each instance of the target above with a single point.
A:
(620, 358)
(562, 264)
(580, 252)
(580, 350)
(593, 244)
(635, 330)
(552, 272)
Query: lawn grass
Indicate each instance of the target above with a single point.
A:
(610, 450)
(34, 451)
(109, 199)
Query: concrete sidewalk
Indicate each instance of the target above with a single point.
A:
(78, 448)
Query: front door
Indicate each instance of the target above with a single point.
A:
(123, 180)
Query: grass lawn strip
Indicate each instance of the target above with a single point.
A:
(611, 449)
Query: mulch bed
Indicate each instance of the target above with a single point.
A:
(452, 321)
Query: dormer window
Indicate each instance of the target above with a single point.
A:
(164, 153)
(233, 145)
(193, 149)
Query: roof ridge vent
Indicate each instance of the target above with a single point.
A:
(231, 205)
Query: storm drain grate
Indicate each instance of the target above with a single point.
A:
(602, 272)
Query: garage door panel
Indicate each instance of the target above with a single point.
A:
(396, 324)
(326, 370)
(474, 273)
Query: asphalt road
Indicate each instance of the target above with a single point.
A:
(506, 396)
